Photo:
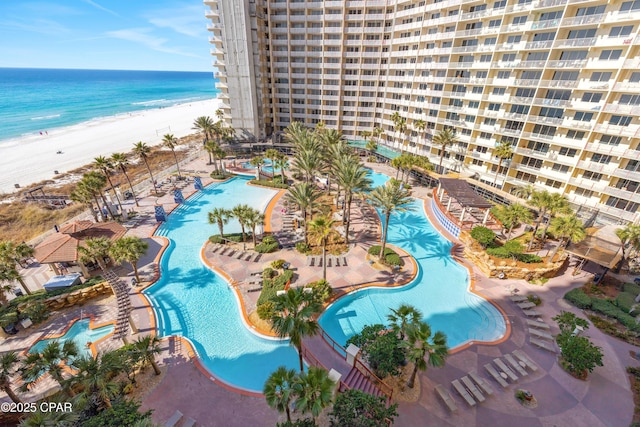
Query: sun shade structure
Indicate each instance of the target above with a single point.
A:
(601, 246)
(62, 247)
(463, 193)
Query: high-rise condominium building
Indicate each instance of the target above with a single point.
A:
(558, 79)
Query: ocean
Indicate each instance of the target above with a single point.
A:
(34, 100)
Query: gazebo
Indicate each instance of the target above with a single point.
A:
(461, 201)
(61, 249)
(600, 246)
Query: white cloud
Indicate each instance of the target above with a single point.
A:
(144, 37)
(187, 20)
(40, 26)
(102, 8)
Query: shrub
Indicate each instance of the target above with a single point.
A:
(483, 235)
(605, 307)
(281, 280)
(322, 289)
(535, 299)
(277, 264)
(631, 288)
(123, 413)
(578, 298)
(303, 248)
(270, 184)
(216, 239)
(625, 301)
(375, 250)
(269, 244)
(218, 175)
(37, 312)
(381, 350)
(393, 259)
(499, 252)
(355, 408)
(233, 237)
(265, 310)
(529, 258)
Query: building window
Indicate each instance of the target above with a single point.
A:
(601, 76)
(569, 152)
(592, 97)
(600, 158)
(610, 140)
(620, 120)
(593, 176)
(610, 54)
(621, 31)
(560, 168)
(625, 205)
(553, 183)
(575, 134)
(583, 192)
(519, 20)
(629, 6)
(583, 116)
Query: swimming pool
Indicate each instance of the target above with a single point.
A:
(439, 291)
(191, 301)
(80, 333)
(267, 167)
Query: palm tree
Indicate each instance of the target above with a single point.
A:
(556, 204)
(320, 229)
(120, 161)
(540, 200)
(502, 151)
(365, 134)
(41, 418)
(211, 147)
(49, 361)
(389, 198)
(524, 191)
(304, 195)
(353, 178)
(398, 164)
(148, 347)
(402, 317)
(10, 256)
(444, 138)
(376, 132)
(95, 376)
(240, 212)
(219, 154)
(515, 214)
(294, 316)
(9, 362)
(105, 166)
(272, 154)
(254, 218)
(420, 125)
(221, 217)
(307, 163)
(80, 194)
(400, 126)
(371, 146)
(204, 124)
(314, 391)
(420, 344)
(629, 236)
(143, 151)
(95, 249)
(280, 162)
(257, 162)
(171, 142)
(94, 182)
(129, 249)
(568, 228)
(278, 390)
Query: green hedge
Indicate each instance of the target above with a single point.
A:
(270, 184)
(390, 256)
(483, 235)
(609, 309)
(303, 248)
(269, 244)
(625, 301)
(271, 286)
(233, 237)
(631, 288)
(578, 298)
(529, 258)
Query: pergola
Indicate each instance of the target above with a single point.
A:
(602, 247)
(460, 191)
(62, 247)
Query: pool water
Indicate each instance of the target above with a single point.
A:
(267, 167)
(439, 291)
(80, 333)
(192, 301)
(382, 150)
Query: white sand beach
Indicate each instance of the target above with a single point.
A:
(34, 158)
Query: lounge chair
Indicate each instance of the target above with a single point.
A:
(241, 255)
(484, 385)
(525, 359)
(310, 261)
(446, 398)
(518, 298)
(174, 420)
(545, 345)
(473, 389)
(509, 358)
(504, 368)
(496, 376)
(463, 392)
(536, 324)
(526, 305)
(532, 313)
(336, 262)
(189, 422)
(344, 261)
(257, 258)
(540, 334)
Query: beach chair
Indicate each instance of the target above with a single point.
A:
(257, 258)
(525, 359)
(536, 324)
(174, 420)
(509, 358)
(504, 368)
(518, 298)
(344, 261)
(446, 398)
(336, 262)
(463, 392)
(496, 376)
(473, 389)
(540, 334)
(484, 385)
(542, 344)
(189, 422)
(532, 313)
(526, 305)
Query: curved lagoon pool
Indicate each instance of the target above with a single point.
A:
(439, 291)
(80, 333)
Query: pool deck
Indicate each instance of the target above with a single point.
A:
(604, 400)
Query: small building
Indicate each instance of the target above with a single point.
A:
(60, 250)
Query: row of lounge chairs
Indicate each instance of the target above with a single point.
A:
(538, 330)
(473, 388)
(227, 251)
(332, 261)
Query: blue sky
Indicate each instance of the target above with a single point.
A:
(105, 34)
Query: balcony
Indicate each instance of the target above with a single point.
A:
(627, 174)
(533, 153)
(583, 20)
(618, 213)
(578, 63)
(605, 168)
(526, 168)
(589, 184)
(631, 130)
(621, 193)
(586, 42)
(622, 109)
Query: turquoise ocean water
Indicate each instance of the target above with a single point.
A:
(38, 100)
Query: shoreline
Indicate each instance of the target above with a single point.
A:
(34, 158)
